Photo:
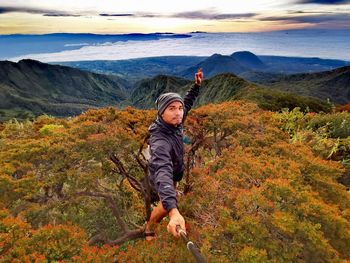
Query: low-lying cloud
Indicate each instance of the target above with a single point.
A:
(278, 43)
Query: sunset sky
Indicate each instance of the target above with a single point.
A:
(113, 17)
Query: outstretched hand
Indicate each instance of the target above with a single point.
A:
(199, 77)
(176, 219)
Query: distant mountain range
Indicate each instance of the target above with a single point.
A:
(135, 70)
(30, 88)
(242, 63)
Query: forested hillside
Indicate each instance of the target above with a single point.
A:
(259, 187)
(30, 88)
(333, 85)
(223, 87)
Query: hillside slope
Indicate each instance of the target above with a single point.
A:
(223, 87)
(333, 85)
(30, 88)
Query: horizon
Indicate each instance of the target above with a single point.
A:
(180, 33)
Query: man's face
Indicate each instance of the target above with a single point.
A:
(174, 113)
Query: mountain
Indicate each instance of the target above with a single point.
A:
(249, 60)
(333, 85)
(135, 70)
(214, 65)
(243, 63)
(293, 65)
(260, 77)
(223, 87)
(30, 88)
(148, 90)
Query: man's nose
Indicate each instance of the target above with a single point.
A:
(178, 112)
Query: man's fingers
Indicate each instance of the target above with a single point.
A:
(172, 230)
(199, 76)
(183, 227)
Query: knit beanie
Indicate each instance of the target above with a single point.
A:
(165, 100)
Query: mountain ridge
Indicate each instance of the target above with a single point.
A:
(33, 86)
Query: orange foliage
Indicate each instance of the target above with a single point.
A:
(253, 195)
(345, 107)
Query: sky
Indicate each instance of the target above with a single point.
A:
(179, 16)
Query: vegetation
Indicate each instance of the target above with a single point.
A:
(260, 187)
(224, 87)
(31, 88)
(328, 85)
(345, 107)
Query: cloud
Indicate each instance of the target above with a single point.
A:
(104, 14)
(44, 12)
(310, 12)
(323, 2)
(4, 10)
(60, 14)
(208, 15)
(315, 19)
(287, 45)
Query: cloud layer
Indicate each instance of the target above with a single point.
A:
(325, 44)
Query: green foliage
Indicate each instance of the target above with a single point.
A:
(277, 100)
(336, 125)
(327, 133)
(49, 129)
(327, 85)
(292, 121)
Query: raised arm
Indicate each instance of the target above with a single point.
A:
(193, 93)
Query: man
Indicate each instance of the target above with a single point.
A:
(166, 164)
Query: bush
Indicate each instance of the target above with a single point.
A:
(336, 125)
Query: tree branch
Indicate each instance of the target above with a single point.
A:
(133, 181)
(112, 205)
(129, 235)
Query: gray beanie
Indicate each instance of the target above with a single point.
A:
(165, 99)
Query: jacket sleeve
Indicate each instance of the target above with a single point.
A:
(190, 97)
(163, 178)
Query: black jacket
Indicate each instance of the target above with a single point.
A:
(166, 164)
